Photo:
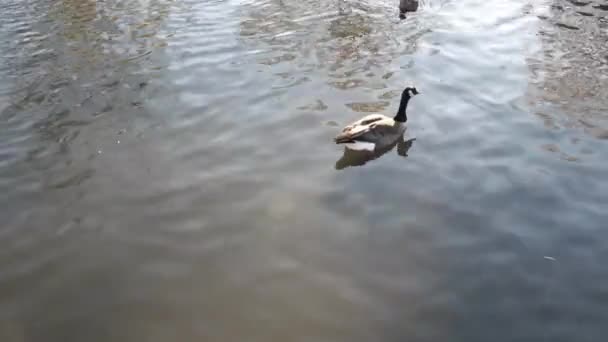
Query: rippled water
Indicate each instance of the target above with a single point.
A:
(168, 173)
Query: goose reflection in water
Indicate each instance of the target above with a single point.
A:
(353, 157)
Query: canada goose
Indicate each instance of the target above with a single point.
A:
(376, 130)
(407, 6)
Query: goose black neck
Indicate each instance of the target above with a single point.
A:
(401, 115)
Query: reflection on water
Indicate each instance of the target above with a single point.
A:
(571, 86)
(361, 157)
(168, 172)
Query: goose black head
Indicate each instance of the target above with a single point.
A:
(407, 94)
(410, 91)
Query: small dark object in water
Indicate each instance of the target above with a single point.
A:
(407, 6)
(602, 7)
(579, 3)
(570, 27)
(586, 14)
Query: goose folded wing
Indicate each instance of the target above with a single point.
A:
(379, 131)
(358, 127)
(351, 132)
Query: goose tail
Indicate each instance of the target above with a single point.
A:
(343, 140)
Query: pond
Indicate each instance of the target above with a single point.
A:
(168, 171)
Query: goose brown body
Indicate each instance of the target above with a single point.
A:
(373, 128)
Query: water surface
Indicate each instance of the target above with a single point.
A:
(167, 172)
